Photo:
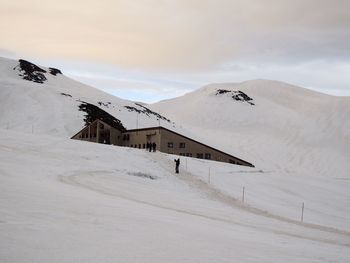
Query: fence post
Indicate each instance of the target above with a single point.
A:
(302, 213)
(209, 176)
(243, 194)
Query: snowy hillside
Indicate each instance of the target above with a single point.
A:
(64, 200)
(279, 127)
(71, 201)
(35, 99)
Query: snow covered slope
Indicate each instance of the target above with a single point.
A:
(279, 127)
(63, 200)
(42, 100)
(71, 201)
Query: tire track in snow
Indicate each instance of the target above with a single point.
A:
(75, 180)
(217, 195)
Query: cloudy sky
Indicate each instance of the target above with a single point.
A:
(149, 50)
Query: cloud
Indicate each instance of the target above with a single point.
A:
(181, 35)
(7, 53)
(126, 84)
(165, 48)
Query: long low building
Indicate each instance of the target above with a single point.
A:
(166, 141)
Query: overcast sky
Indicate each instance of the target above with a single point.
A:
(148, 50)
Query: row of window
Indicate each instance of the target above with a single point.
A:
(138, 146)
(126, 137)
(198, 155)
(181, 145)
(86, 135)
(234, 162)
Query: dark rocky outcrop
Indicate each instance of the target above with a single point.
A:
(236, 95)
(55, 71)
(222, 91)
(30, 71)
(93, 112)
(106, 104)
(146, 111)
(66, 94)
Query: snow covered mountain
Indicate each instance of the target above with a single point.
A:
(64, 200)
(279, 127)
(44, 101)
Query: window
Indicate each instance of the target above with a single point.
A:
(200, 155)
(101, 126)
(233, 161)
(207, 156)
(170, 145)
(182, 145)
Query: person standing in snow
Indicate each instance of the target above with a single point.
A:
(177, 164)
(150, 147)
(154, 146)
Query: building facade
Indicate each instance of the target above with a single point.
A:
(166, 141)
(100, 132)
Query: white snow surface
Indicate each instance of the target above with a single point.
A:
(63, 200)
(73, 201)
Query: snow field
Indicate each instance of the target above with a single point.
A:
(71, 201)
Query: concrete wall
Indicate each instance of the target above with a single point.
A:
(192, 148)
(139, 139)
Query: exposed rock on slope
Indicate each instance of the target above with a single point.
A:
(55, 71)
(93, 112)
(236, 95)
(32, 72)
